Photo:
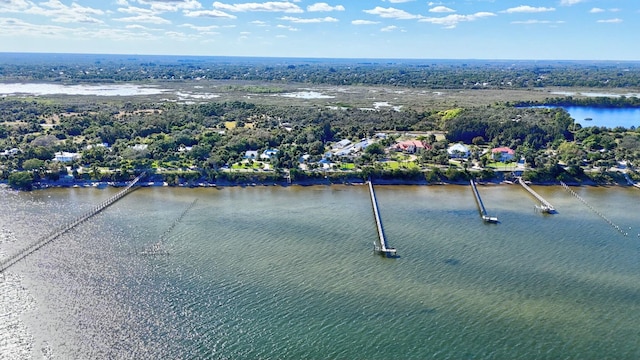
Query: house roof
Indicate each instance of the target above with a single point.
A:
(458, 147)
(503, 149)
(408, 143)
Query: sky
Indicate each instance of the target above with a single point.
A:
(399, 29)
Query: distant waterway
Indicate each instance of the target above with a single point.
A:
(608, 117)
(289, 273)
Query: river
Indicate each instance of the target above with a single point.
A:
(289, 273)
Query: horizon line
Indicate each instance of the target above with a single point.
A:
(311, 57)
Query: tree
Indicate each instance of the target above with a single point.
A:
(21, 180)
(32, 164)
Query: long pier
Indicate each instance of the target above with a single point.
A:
(544, 206)
(13, 259)
(618, 228)
(481, 208)
(381, 246)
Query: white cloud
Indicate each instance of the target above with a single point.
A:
(533, 22)
(200, 28)
(13, 5)
(364, 22)
(399, 1)
(596, 10)
(137, 26)
(388, 28)
(217, 14)
(527, 9)
(135, 10)
(570, 2)
(150, 19)
(441, 9)
(308, 21)
(171, 5)
(391, 13)
(287, 27)
(324, 7)
(62, 13)
(270, 6)
(17, 27)
(610, 21)
(451, 21)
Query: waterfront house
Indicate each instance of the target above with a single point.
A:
(250, 154)
(64, 156)
(342, 144)
(458, 150)
(502, 154)
(411, 146)
(268, 154)
(361, 145)
(10, 152)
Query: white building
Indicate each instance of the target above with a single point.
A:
(64, 156)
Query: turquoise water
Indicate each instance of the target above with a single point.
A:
(289, 273)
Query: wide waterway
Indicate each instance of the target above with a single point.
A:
(289, 273)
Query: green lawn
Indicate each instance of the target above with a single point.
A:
(393, 165)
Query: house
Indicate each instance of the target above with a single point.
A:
(268, 154)
(342, 144)
(101, 145)
(64, 156)
(250, 154)
(411, 146)
(10, 152)
(458, 151)
(502, 154)
(361, 145)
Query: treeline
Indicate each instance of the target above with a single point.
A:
(433, 74)
(594, 101)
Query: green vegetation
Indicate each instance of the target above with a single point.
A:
(207, 141)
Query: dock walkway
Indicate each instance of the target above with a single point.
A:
(544, 206)
(13, 259)
(381, 246)
(481, 208)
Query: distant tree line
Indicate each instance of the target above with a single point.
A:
(433, 74)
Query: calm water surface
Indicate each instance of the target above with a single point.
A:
(289, 273)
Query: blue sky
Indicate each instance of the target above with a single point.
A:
(460, 29)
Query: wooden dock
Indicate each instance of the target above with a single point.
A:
(13, 259)
(481, 208)
(381, 245)
(544, 206)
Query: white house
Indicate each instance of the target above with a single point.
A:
(250, 154)
(64, 156)
(342, 144)
(10, 152)
(268, 154)
(458, 151)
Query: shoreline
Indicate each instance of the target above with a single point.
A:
(305, 182)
